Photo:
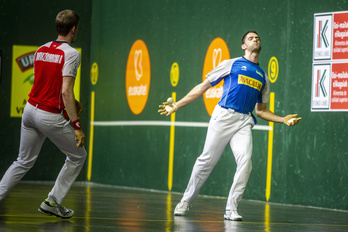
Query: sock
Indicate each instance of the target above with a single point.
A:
(51, 201)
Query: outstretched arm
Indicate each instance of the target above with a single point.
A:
(263, 112)
(195, 93)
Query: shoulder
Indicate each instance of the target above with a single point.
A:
(71, 54)
(69, 50)
(47, 44)
(44, 46)
(263, 72)
(229, 62)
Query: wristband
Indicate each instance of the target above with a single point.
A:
(76, 124)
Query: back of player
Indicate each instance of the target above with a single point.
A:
(52, 61)
(55, 69)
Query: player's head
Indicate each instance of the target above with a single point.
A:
(65, 21)
(246, 34)
(248, 39)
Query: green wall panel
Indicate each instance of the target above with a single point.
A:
(309, 160)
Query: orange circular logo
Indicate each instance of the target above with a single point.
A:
(138, 76)
(217, 52)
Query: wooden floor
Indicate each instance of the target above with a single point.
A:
(105, 208)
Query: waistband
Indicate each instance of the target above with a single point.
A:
(238, 111)
(45, 107)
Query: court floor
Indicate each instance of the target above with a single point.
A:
(108, 208)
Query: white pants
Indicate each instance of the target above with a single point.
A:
(225, 126)
(36, 126)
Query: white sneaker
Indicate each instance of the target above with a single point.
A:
(181, 208)
(56, 210)
(232, 215)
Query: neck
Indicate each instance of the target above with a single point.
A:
(64, 38)
(252, 56)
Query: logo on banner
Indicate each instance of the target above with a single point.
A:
(340, 36)
(137, 64)
(26, 61)
(322, 34)
(339, 86)
(321, 86)
(322, 37)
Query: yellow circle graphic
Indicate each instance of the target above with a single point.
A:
(138, 76)
(217, 52)
(94, 73)
(174, 74)
(273, 69)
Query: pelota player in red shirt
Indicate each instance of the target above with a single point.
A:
(55, 69)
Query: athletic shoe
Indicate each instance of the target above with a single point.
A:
(232, 215)
(181, 208)
(56, 210)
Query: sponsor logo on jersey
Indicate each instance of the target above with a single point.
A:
(48, 57)
(75, 67)
(259, 73)
(251, 82)
(244, 68)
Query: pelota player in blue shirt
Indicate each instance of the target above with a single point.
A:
(246, 86)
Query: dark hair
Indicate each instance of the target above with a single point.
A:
(244, 36)
(65, 21)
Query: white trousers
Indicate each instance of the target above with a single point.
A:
(37, 125)
(225, 126)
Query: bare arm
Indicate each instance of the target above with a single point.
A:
(70, 106)
(195, 93)
(69, 97)
(170, 107)
(263, 112)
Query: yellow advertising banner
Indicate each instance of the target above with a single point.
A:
(23, 77)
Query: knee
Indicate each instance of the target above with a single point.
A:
(204, 164)
(79, 156)
(83, 155)
(24, 164)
